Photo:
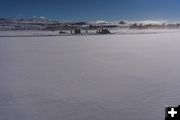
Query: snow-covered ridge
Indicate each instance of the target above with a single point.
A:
(46, 24)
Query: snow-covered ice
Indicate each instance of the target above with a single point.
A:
(106, 77)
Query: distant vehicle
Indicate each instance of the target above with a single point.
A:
(62, 32)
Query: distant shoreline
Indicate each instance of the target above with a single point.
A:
(56, 33)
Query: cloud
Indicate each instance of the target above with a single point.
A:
(101, 22)
(42, 17)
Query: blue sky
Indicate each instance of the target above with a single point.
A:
(92, 9)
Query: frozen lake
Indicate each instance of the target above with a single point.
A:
(106, 77)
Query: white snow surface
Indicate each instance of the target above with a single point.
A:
(105, 77)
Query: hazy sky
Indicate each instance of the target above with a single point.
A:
(92, 9)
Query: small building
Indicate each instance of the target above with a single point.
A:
(103, 31)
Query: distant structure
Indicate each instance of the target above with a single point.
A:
(103, 31)
(62, 32)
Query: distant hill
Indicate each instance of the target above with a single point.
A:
(46, 24)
